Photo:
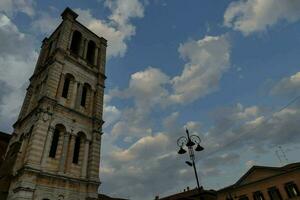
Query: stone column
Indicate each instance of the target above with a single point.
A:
(82, 47)
(64, 153)
(85, 49)
(96, 56)
(70, 152)
(85, 159)
(99, 58)
(69, 39)
(47, 146)
(79, 93)
(91, 101)
(74, 94)
(61, 85)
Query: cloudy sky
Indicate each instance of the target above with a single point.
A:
(228, 70)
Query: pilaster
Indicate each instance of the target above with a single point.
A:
(85, 159)
(62, 162)
(47, 147)
(70, 152)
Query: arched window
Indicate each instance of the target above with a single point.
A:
(84, 94)
(66, 87)
(54, 143)
(76, 150)
(91, 52)
(75, 44)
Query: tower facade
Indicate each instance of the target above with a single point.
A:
(57, 137)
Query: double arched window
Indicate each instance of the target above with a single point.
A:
(75, 43)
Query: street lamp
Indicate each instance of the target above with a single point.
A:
(190, 141)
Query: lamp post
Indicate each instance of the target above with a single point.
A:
(190, 141)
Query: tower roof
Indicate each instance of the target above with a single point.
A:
(69, 13)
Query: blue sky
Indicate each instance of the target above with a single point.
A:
(223, 69)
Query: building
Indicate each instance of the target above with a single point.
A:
(54, 151)
(4, 184)
(262, 183)
(4, 140)
(193, 194)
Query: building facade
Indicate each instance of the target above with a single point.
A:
(264, 183)
(57, 136)
(194, 194)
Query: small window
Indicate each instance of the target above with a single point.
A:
(66, 87)
(75, 43)
(90, 56)
(258, 195)
(83, 96)
(291, 189)
(76, 150)
(54, 143)
(274, 193)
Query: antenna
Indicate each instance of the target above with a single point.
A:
(281, 156)
(278, 156)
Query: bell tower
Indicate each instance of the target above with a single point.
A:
(57, 136)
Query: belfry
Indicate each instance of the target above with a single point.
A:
(57, 136)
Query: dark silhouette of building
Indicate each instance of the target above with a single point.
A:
(193, 194)
(4, 140)
(105, 197)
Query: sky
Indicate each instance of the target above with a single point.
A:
(226, 70)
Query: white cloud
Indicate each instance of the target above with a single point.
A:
(13, 60)
(147, 87)
(10, 7)
(208, 60)
(111, 114)
(139, 166)
(232, 132)
(117, 29)
(288, 86)
(250, 16)
(221, 160)
(250, 163)
(147, 90)
(116, 39)
(45, 23)
(144, 148)
(123, 10)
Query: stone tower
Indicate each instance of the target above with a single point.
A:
(57, 137)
